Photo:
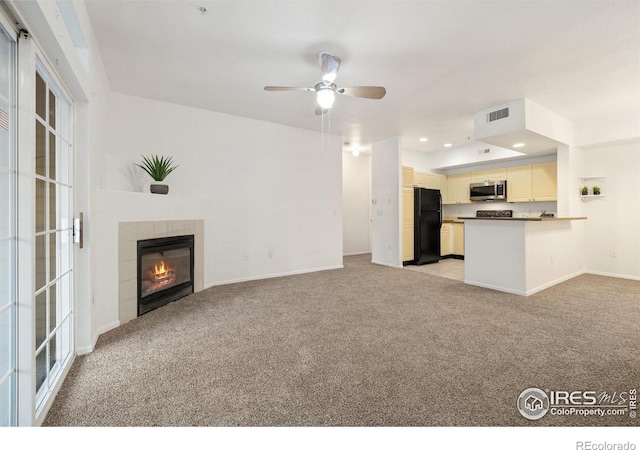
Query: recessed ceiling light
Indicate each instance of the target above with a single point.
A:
(356, 151)
(447, 145)
(518, 145)
(423, 139)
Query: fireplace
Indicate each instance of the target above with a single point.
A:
(165, 271)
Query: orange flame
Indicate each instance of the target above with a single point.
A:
(160, 270)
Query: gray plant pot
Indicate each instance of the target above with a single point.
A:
(159, 188)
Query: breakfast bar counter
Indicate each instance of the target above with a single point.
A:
(522, 255)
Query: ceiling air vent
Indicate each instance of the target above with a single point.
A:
(497, 115)
(483, 151)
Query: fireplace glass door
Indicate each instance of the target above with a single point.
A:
(165, 271)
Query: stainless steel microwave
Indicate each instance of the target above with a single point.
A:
(488, 190)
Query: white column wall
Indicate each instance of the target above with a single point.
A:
(386, 180)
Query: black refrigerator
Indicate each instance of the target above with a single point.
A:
(428, 221)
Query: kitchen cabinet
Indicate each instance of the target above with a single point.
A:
(445, 239)
(458, 188)
(458, 239)
(407, 224)
(420, 179)
(544, 182)
(407, 176)
(532, 183)
(489, 175)
(439, 182)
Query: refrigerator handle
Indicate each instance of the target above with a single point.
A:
(440, 198)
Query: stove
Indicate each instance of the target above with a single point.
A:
(495, 213)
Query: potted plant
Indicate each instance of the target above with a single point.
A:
(585, 190)
(596, 190)
(158, 167)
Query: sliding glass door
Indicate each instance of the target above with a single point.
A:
(8, 214)
(53, 232)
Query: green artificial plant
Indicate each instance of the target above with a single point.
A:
(158, 167)
(596, 190)
(585, 190)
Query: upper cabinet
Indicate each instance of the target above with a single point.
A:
(407, 176)
(458, 189)
(489, 175)
(420, 179)
(532, 183)
(437, 181)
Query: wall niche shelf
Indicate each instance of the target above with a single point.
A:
(591, 197)
(583, 181)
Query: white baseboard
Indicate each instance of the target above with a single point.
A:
(496, 288)
(387, 264)
(89, 348)
(554, 282)
(529, 291)
(272, 275)
(357, 253)
(613, 275)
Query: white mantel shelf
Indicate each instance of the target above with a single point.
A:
(522, 256)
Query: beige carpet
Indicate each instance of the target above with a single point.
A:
(361, 346)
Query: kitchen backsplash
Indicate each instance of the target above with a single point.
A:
(533, 209)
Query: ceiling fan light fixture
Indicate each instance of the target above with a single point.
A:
(325, 98)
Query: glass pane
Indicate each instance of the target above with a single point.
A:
(63, 207)
(41, 204)
(6, 403)
(53, 352)
(41, 148)
(41, 97)
(6, 335)
(41, 262)
(7, 273)
(53, 308)
(52, 110)
(52, 156)
(64, 163)
(41, 368)
(41, 318)
(64, 295)
(64, 338)
(63, 119)
(52, 257)
(6, 138)
(52, 206)
(64, 251)
(6, 204)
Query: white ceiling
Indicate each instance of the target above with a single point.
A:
(441, 61)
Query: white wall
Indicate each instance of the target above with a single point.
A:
(270, 195)
(386, 197)
(356, 203)
(613, 223)
(418, 160)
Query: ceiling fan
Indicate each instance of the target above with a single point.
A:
(326, 89)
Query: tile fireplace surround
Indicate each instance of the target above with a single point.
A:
(129, 233)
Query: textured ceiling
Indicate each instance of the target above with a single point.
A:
(441, 61)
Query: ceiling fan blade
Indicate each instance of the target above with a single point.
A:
(374, 92)
(288, 88)
(320, 111)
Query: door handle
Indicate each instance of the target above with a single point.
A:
(78, 230)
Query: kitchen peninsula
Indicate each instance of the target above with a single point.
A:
(522, 255)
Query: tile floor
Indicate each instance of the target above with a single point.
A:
(447, 268)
